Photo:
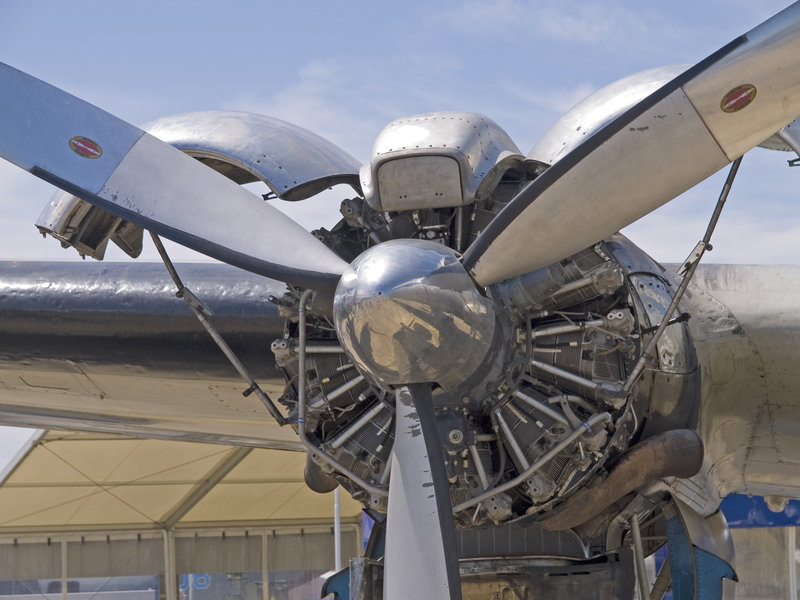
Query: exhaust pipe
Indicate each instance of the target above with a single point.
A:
(317, 479)
(676, 453)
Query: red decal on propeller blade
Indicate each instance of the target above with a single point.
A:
(738, 98)
(83, 146)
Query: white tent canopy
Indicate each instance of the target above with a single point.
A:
(76, 505)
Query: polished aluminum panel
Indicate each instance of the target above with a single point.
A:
(108, 347)
(294, 162)
(88, 228)
(746, 329)
(769, 60)
(633, 172)
(481, 148)
(102, 159)
(407, 312)
(597, 110)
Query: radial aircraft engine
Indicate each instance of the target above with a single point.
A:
(512, 389)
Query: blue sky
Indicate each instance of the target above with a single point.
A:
(345, 69)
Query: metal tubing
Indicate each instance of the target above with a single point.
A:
(324, 350)
(301, 406)
(559, 329)
(638, 559)
(265, 565)
(575, 285)
(512, 441)
(791, 543)
(473, 450)
(362, 420)
(387, 471)
(459, 216)
(541, 407)
(64, 563)
(676, 453)
(337, 530)
(342, 389)
(170, 565)
(663, 582)
(588, 383)
(585, 427)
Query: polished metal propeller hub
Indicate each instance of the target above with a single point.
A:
(406, 311)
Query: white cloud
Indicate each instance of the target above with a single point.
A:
(760, 222)
(349, 100)
(316, 100)
(567, 21)
(738, 240)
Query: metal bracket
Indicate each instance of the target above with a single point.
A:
(202, 312)
(694, 258)
(681, 318)
(687, 272)
(193, 301)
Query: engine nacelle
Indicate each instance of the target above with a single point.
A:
(531, 417)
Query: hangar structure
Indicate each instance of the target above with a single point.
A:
(81, 509)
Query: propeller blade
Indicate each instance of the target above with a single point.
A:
(421, 559)
(101, 159)
(677, 136)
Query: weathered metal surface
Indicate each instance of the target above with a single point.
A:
(108, 347)
(294, 162)
(416, 530)
(746, 329)
(441, 159)
(597, 110)
(137, 177)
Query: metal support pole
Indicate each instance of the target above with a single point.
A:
(337, 529)
(64, 574)
(170, 567)
(791, 543)
(638, 559)
(265, 564)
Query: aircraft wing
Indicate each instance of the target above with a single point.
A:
(109, 348)
(747, 334)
